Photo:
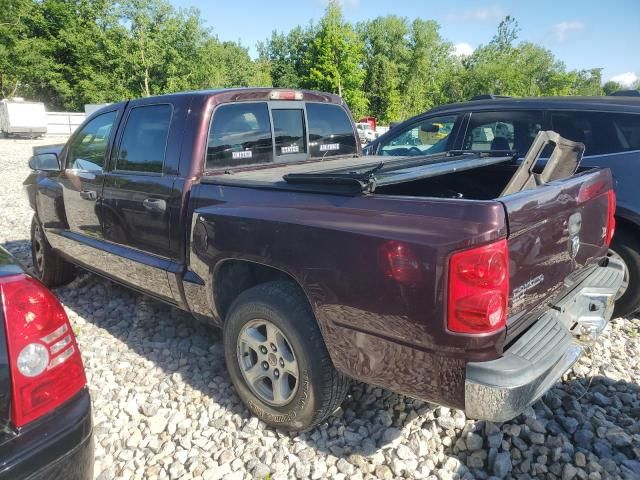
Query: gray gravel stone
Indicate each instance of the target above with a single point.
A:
(501, 465)
(474, 441)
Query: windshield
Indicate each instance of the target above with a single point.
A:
(424, 137)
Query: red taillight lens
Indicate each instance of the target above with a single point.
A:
(479, 289)
(611, 222)
(400, 263)
(45, 364)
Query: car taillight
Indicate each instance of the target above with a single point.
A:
(479, 289)
(611, 217)
(45, 363)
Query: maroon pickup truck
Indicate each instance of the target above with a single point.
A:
(460, 278)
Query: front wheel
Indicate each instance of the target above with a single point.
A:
(49, 267)
(277, 359)
(626, 247)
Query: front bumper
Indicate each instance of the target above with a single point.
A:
(57, 447)
(501, 389)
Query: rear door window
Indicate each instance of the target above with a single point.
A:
(144, 140)
(240, 134)
(425, 137)
(330, 131)
(506, 130)
(601, 132)
(288, 127)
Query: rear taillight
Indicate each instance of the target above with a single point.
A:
(611, 218)
(45, 364)
(479, 289)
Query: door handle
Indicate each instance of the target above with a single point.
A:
(154, 204)
(88, 195)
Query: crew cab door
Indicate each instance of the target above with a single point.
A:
(81, 180)
(140, 203)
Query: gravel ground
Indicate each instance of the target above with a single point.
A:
(164, 406)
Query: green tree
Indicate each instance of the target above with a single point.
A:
(24, 58)
(526, 69)
(610, 87)
(334, 60)
(386, 62)
(431, 67)
(286, 56)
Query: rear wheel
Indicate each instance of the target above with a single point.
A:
(49, 267)
(277, 359)
(626, 248)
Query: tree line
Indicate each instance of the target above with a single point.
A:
(67, 53)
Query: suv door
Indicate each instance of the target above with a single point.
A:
(81, 180)
(139, 199)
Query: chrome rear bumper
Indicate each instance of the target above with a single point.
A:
(501, 389)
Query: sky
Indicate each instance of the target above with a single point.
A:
(583, 34)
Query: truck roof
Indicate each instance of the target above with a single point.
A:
(244, 94)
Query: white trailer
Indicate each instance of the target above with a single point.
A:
(22, 118)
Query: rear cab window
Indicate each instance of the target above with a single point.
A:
(254, 133)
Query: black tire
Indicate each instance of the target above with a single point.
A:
(320, 388)
(49, 267)
(627, 247)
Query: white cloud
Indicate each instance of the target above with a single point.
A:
(626, 79)
(563, 29)
(479, 14)
(462, 49)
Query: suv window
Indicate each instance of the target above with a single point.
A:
(502, 131)
(240, 134)
(144, 140)
(330, 131)
(425, 137)
(601, 132)
(88, 148)
(288, 125)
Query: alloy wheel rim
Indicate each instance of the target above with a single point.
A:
(267, 362)
(38, 250)
(625, 279)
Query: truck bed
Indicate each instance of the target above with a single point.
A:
(352, 173)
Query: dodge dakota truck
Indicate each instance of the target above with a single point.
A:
(461, 278)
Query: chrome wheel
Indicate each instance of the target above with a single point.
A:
(38, 248)
(267, 362)
(625, 280)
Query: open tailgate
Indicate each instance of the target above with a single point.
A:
(554, 230)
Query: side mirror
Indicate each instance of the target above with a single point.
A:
(430, 128)
(47, 162)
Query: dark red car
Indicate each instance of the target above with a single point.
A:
(430, 275)
(45, 409)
